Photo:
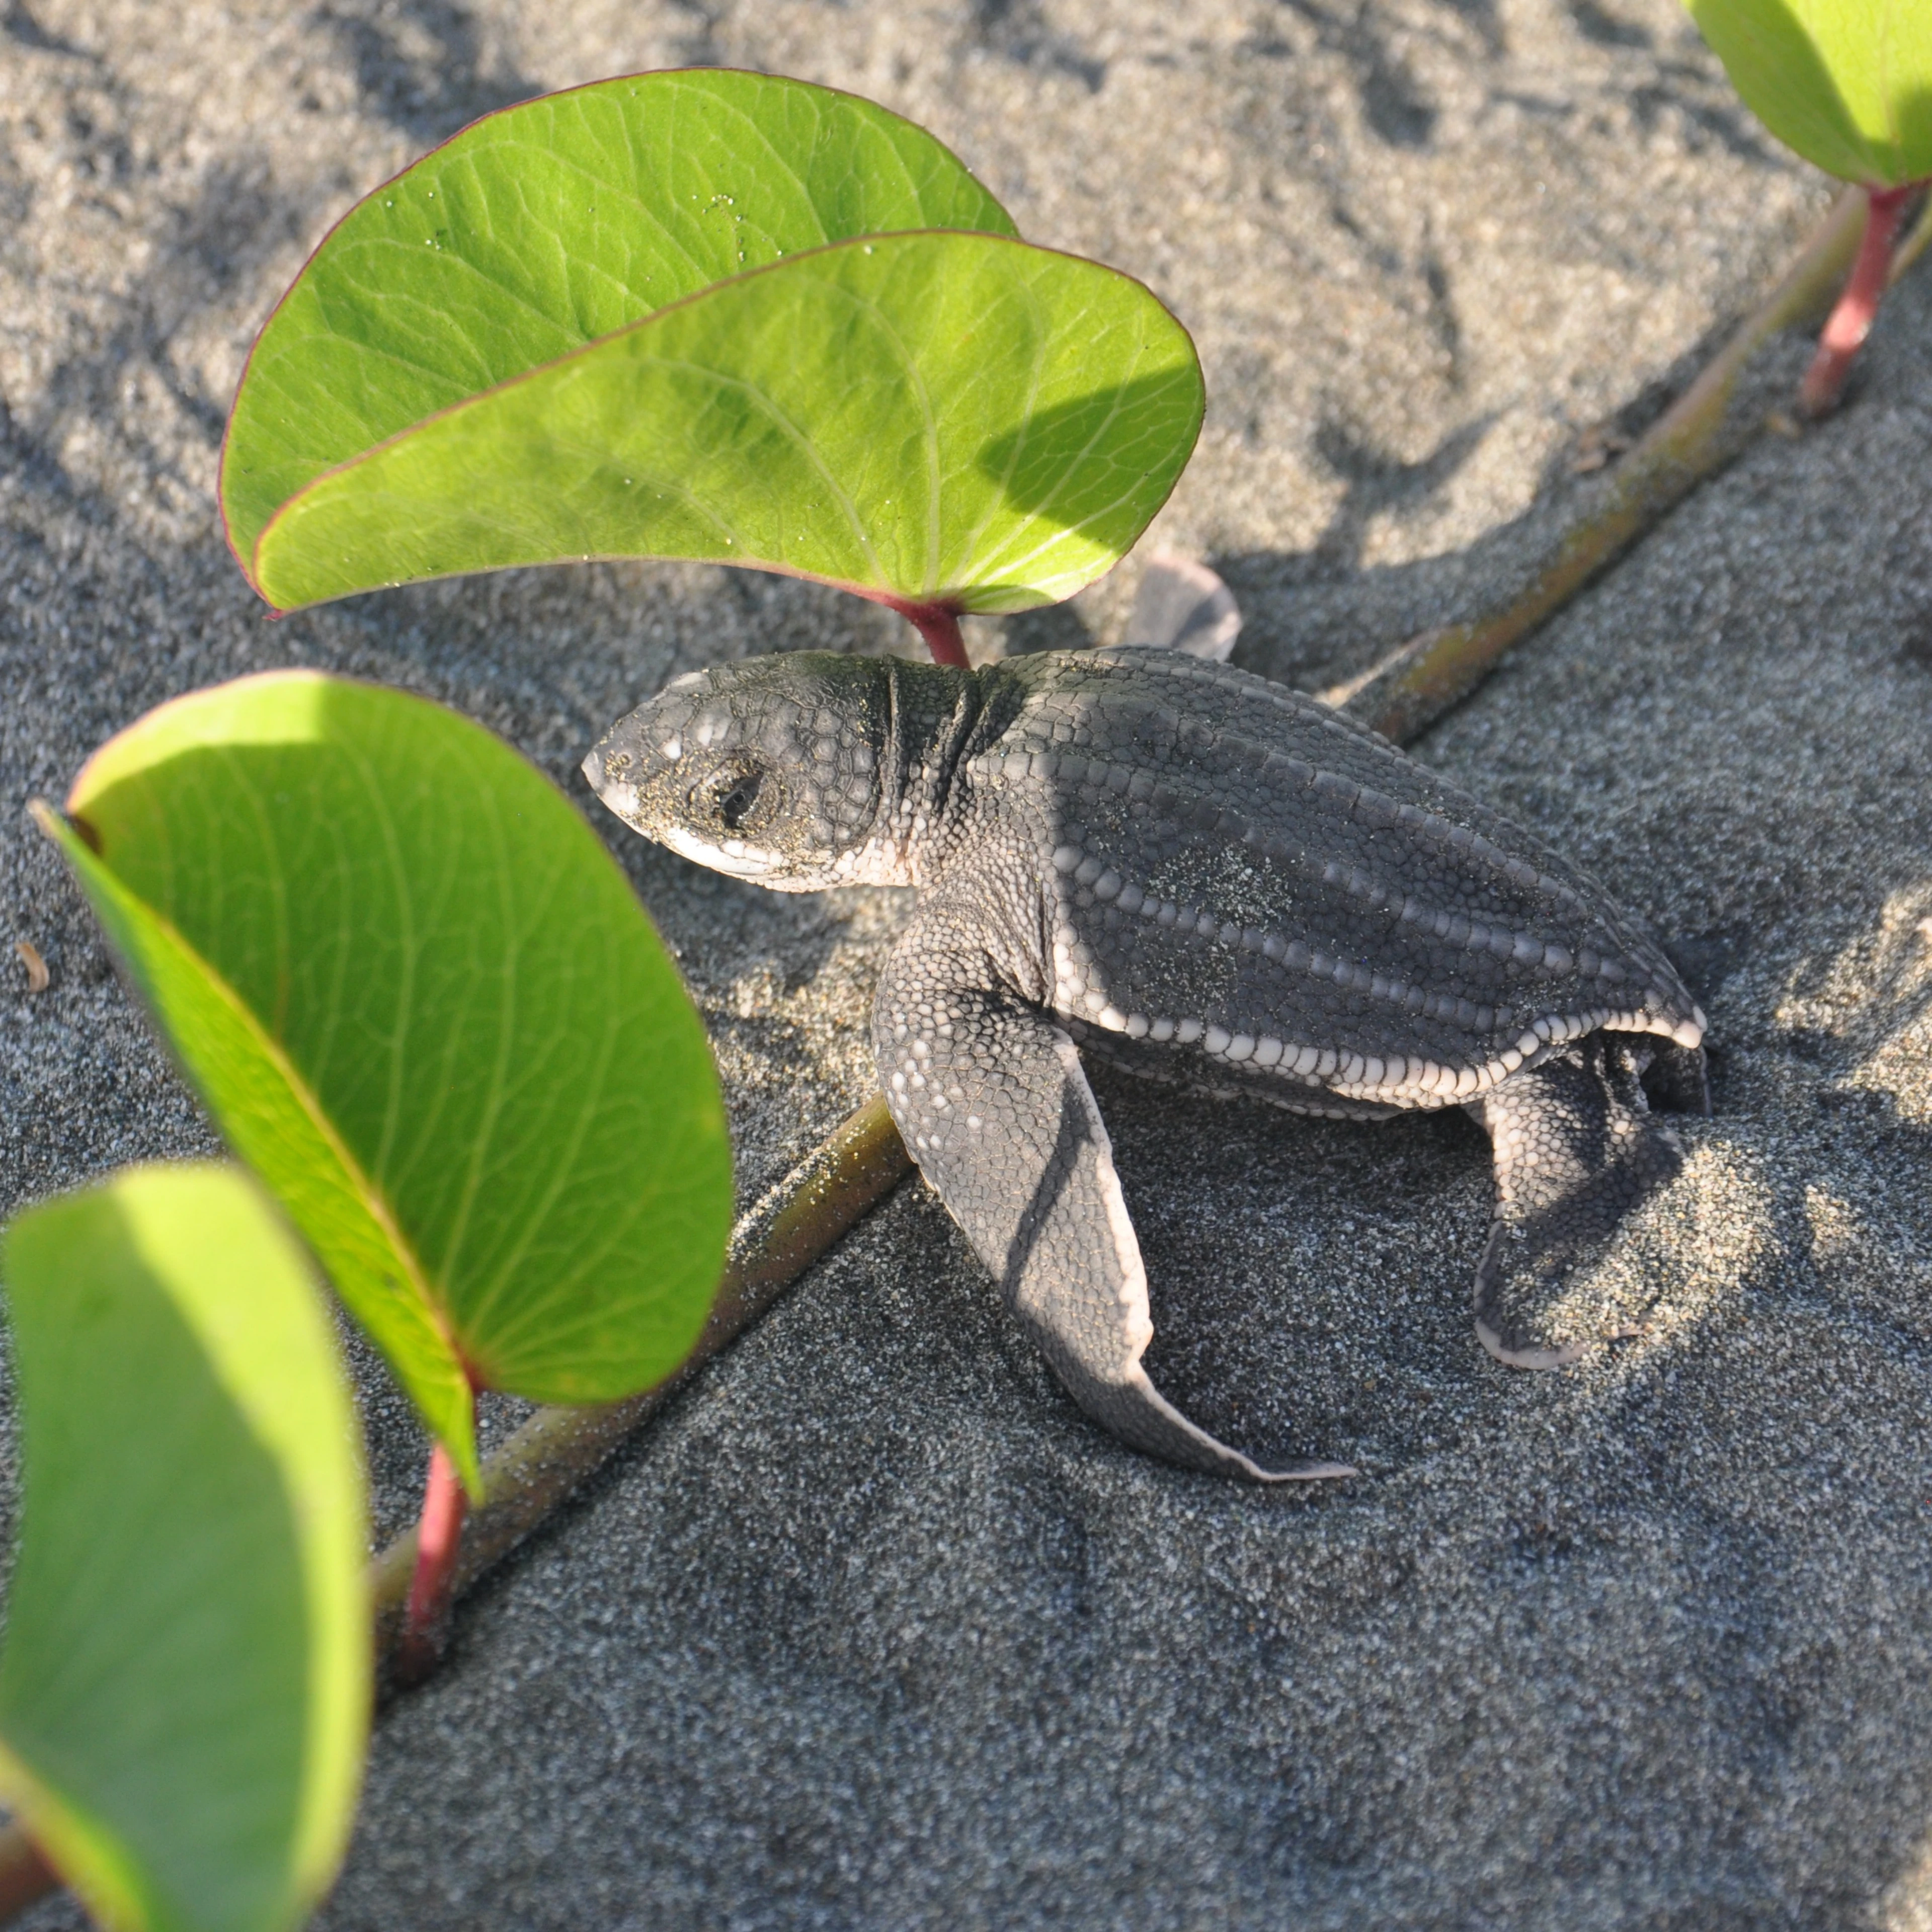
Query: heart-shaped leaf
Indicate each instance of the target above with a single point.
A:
(420, 999)
(550, 224)
(952, 419)
(1847, 83)
(184, 1689)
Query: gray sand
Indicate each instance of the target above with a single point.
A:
(873, 1630)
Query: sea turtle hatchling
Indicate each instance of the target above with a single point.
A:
(1204, 877)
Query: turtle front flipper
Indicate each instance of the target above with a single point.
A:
(1577, 1147)
(990, 1096)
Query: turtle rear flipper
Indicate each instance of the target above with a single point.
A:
(1678, 1077)
(1577, 1147)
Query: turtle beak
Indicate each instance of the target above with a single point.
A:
(638, 750)
(605, 766)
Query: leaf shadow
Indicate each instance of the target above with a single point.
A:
(1018, 31)
(1317, 616)
(18, 23)
(1395, 103)
(1377, 483)
(1062, 465)
(421, 65)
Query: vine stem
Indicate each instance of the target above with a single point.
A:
(1851, 319)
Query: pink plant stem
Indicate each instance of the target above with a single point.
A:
(439, 1532)
(940, 628)
(1850, 322)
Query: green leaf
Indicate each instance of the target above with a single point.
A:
(184, 1690)
(420, 999)
(957, 419)
(1847, 83)
(546, 225)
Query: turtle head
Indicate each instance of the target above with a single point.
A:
(767, 769)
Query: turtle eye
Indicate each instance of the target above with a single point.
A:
(728, 797)
(738, 800)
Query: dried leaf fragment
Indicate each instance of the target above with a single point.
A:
(38, 978)
(1182, 605)
(1596, 448)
